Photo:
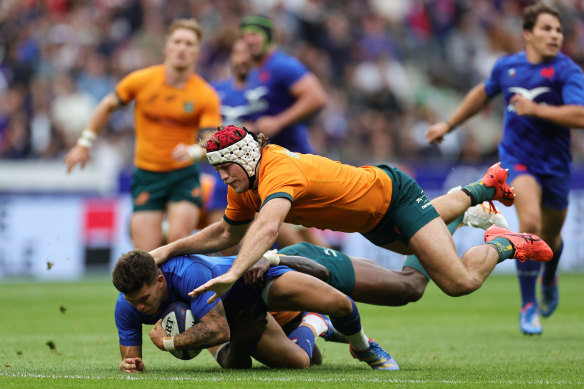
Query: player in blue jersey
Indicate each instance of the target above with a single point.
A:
(146, 290)
(282, 94)
(544, 97)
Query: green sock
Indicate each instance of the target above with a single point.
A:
(478, 192)
(504, 247)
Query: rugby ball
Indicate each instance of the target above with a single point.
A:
(176, 319)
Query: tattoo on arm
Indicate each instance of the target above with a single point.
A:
(211, 330)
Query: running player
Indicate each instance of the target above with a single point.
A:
(172, 105)
(544, 97)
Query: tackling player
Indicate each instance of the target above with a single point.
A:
(382, 203)
(544, 97)
(172, 106)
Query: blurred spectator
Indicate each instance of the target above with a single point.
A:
(376, 59)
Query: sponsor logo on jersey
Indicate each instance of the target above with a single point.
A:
(188, 106)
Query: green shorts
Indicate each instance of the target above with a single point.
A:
(151, 191)
(409, 210)
(341, 272)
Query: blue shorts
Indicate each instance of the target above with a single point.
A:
(218, 199)
(554, 188)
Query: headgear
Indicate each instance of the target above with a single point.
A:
(236, 145)
(260, 24)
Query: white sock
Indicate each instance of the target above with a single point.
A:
(359, 341)
(316, 322)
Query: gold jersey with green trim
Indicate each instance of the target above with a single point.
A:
(166, 116)
(325, 194)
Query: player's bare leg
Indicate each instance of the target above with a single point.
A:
(375, 284)
(275, 349)
(434, 247)
(183, 217)
(146, 230)
(450, 206)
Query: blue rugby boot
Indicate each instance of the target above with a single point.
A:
(529, 320)
(375, 356)
(550, 297)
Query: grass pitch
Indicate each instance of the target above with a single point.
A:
(63, 335)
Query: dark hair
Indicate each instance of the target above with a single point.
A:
(133, 270)
(532, 12)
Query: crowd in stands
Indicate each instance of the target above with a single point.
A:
(390, 67)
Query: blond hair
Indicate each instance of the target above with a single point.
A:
(189, 24)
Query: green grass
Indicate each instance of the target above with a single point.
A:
(439, 341)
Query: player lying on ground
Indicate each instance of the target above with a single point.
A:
(384, 204)
(147, 290)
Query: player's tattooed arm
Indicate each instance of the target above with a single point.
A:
(211, 330)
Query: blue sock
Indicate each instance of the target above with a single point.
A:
(303, 337)
(527, 272)
(549, 269)
(350, 324)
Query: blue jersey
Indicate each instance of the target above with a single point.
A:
(234, 104)
(183, 274)
(235, 111)
(543, 146)
(269, 94)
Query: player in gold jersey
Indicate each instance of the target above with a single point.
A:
(382, 203)
(172, 107)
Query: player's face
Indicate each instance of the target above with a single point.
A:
(181, 49)
(545, 40)
(234, 175)
(240, 59)
(255, 43)
(148, 299)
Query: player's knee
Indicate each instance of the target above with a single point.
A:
(530, 223)
(458, 288)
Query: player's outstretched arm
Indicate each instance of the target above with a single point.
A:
(215, 237)
(259, 238)
(79, 154)
(131, 359)
(474, 101)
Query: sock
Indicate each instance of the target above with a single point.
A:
(304, 337)
(478, 192)
(453, 225)
(527, 272)
(316, 322)
(548, 276)
(350, 326)
(413, 262)
(504, 247)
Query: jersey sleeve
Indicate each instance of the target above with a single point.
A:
(128, 87)
(239, 210)
(283, 178)
(211, 113)
(573, 90)
(290, 71)
(492, 84)
(128, 323)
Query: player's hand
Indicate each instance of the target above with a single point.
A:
(254, 276)
(157, 335)
(132, 365)
(523, 106)
(220, 285)
(267, 125)
(78, 154)
(436, 132)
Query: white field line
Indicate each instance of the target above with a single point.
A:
(133, 377)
